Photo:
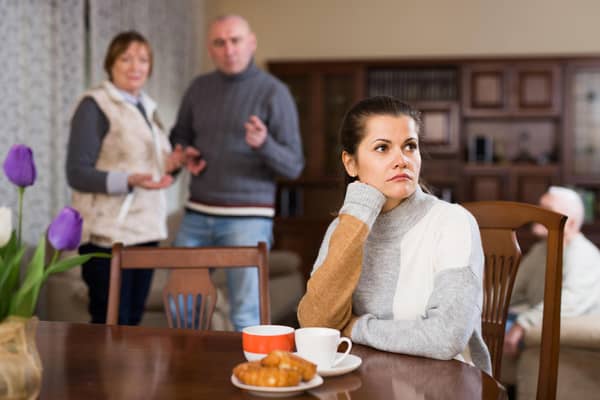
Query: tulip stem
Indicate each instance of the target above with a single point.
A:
(20, 217)
(54, 257)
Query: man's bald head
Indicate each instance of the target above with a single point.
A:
(238, 19)
(231, 43)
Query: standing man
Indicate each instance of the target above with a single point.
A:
(239, 127)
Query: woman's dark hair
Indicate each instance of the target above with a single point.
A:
(120, 44)
(353, 126)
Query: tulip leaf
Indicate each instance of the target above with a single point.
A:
(24, 300)
(15, 271)
(9, 278)
(9, 275)
(24, 305)
(10, 247)
(69, 263)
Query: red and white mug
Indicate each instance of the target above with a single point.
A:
(260, 340)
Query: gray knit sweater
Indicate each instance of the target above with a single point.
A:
(211, 118)
(407, 281)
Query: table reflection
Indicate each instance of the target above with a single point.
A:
(115, 361)
(414, 380)
(338, 388)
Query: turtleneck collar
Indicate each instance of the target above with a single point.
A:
(250, 70)
(120, 96)
(404, 216)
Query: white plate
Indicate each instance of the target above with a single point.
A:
(348, 364)
(286, 391)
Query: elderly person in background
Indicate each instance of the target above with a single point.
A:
(581, 271)
(118, 162)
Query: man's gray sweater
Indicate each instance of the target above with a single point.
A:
(211, 119)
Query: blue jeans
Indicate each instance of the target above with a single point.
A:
(199, 229)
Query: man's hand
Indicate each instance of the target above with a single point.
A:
(146, 181)
(193, 160)
(175, 160)
(256, 132)
(512, 340)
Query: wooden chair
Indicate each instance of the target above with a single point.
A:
(498, 222)
(189, 297)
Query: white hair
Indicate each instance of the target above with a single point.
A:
(570, 203)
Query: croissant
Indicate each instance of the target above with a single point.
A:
(252, 373)
(285, 360)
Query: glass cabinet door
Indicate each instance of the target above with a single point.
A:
(581, 148)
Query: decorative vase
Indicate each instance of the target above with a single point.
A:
(20, 364)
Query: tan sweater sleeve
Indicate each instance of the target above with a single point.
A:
(328, 298)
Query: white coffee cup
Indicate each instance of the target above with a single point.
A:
(319, 345)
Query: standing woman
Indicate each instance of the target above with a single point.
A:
(118, 163)
(398, 270)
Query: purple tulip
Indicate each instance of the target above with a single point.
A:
(19, 166)
(64, 232)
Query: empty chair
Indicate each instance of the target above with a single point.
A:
(189, 297)
(498, 222)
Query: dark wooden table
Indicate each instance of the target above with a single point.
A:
(87, 362)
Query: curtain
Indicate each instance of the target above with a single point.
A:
(41, 59)
(52, 51)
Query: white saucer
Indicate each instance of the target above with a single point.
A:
(348, 364)
(285, 391)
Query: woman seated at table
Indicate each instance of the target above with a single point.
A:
(398, 269)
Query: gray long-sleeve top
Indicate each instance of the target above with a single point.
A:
(211, 118)
(408, 280)
(89, 126)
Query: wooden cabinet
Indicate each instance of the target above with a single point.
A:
(442, 177)
(485, 90)
(432, 89)
(486, 183)
(323, 93)
(511, 112)
(515, 183)
(440, 126)
(522, 89)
